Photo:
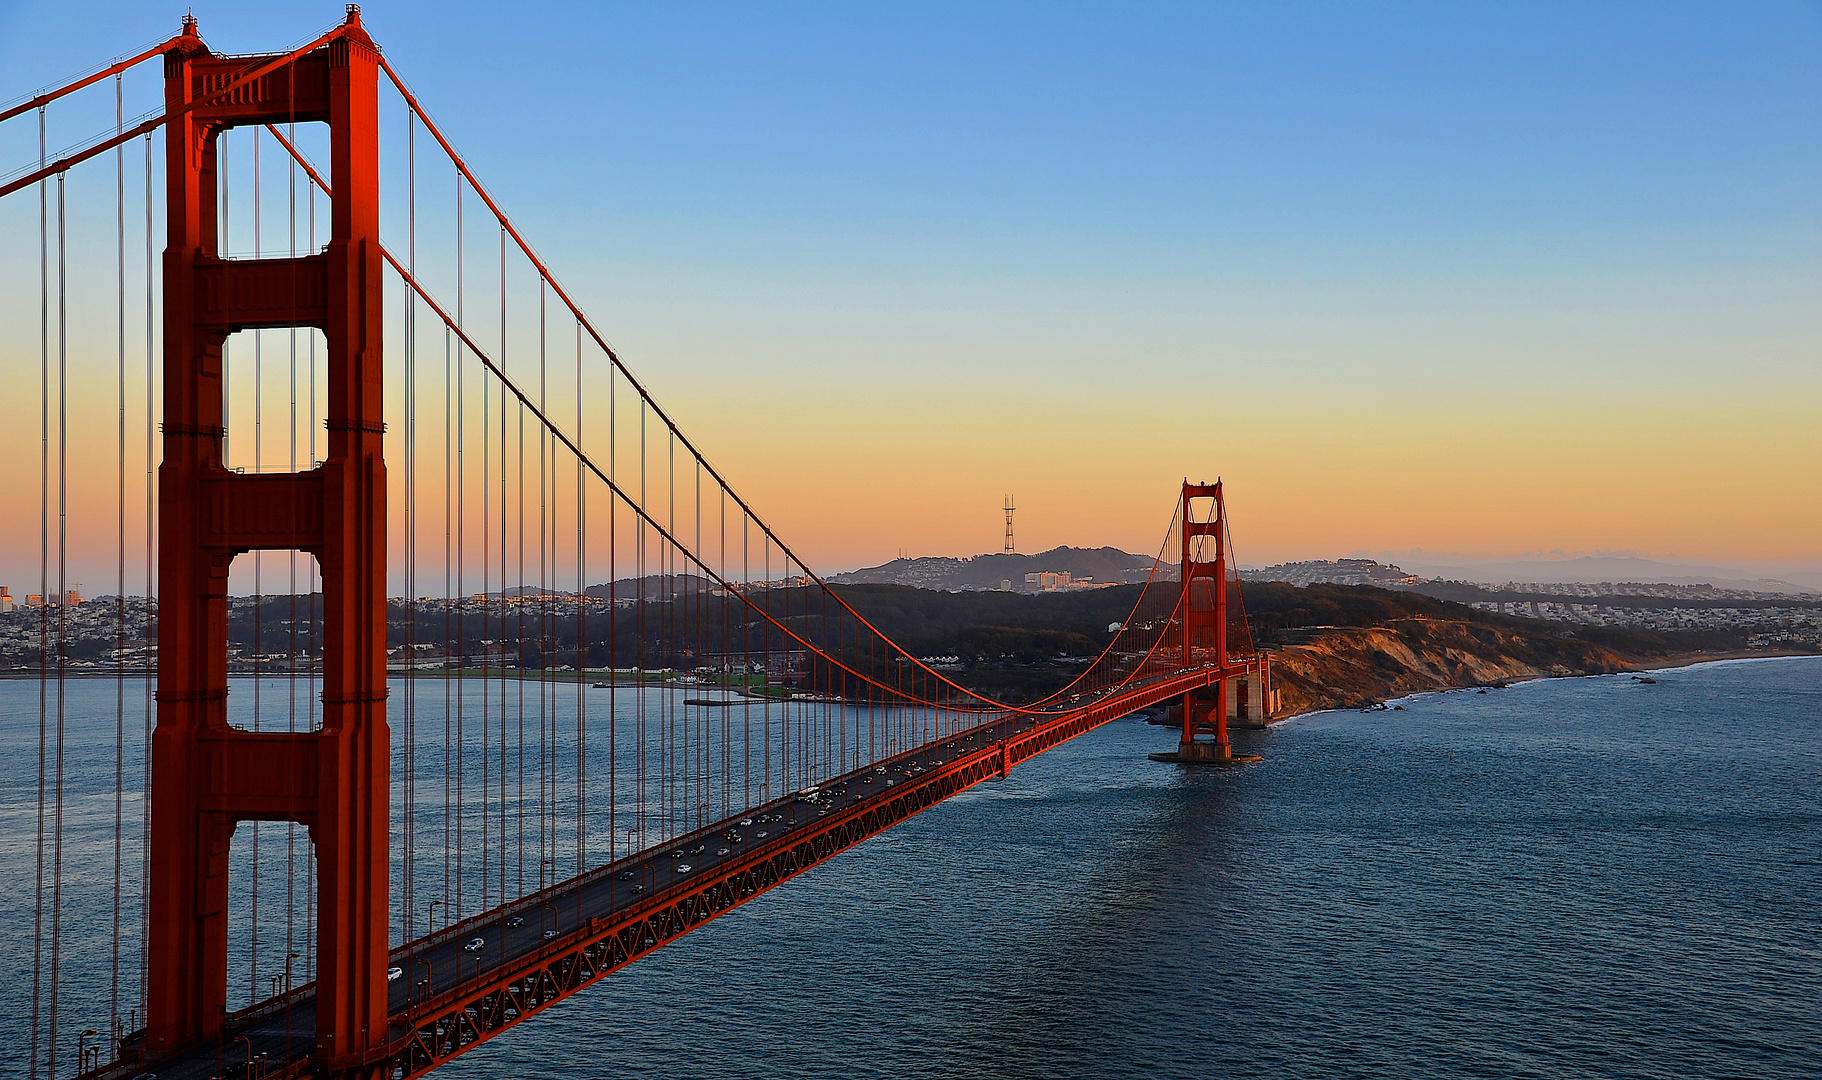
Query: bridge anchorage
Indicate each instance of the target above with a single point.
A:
(504, 795)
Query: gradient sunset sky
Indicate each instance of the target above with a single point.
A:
(1483, 280)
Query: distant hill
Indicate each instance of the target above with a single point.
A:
(985, 573)
(1333, 572)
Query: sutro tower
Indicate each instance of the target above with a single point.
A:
(1009, 509)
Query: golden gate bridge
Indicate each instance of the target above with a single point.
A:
(482, 797)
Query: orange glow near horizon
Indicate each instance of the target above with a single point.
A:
(1719, 483)
(849, 483)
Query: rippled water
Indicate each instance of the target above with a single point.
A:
(1582, 877)
(1585, 877)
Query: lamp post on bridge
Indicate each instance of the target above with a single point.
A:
(289, 956)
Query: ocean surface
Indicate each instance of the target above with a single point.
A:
(1568, 878)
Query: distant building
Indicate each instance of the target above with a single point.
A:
(34, 600)
(1062, 580)
(72, 597)
(6, 599)
(1045, 581)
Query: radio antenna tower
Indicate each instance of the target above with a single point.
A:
(1009, 509)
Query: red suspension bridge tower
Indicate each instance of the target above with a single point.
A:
(207, 776)
(1204, 615)
(860, 736)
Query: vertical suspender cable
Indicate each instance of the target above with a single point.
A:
(145, 850)
(727, 722)
(407, 897)
(696, 595)
(544, 711)
(44, 577)
(674, 766)
(581, 638)
(746, 661)
(120, 568)
(555, 820)
(310, 419)
(460, 600)
(639, 661)
(519, 665)
(502, 624)
(613, 621)
(765, 630)
(63, 597)
(696, 580)
(291, 557)
(486, 807)
(450, 653)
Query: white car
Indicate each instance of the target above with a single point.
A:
(393, 973)
(683, 868)
(474, 944)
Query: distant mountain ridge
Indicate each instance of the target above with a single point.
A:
(986, 573)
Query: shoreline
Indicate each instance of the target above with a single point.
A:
(1696, 659)
(1675, 662)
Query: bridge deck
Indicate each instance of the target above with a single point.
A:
(612, 915)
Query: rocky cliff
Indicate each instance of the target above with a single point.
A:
(1353, 667)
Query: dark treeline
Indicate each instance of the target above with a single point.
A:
(1008, 645)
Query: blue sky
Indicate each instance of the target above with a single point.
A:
(1430, 276)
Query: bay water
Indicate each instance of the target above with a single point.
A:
(1580, 877)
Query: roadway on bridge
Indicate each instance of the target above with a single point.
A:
(282, 1029)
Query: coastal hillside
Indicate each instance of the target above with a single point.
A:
(1351, 667)
(1333, 646)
